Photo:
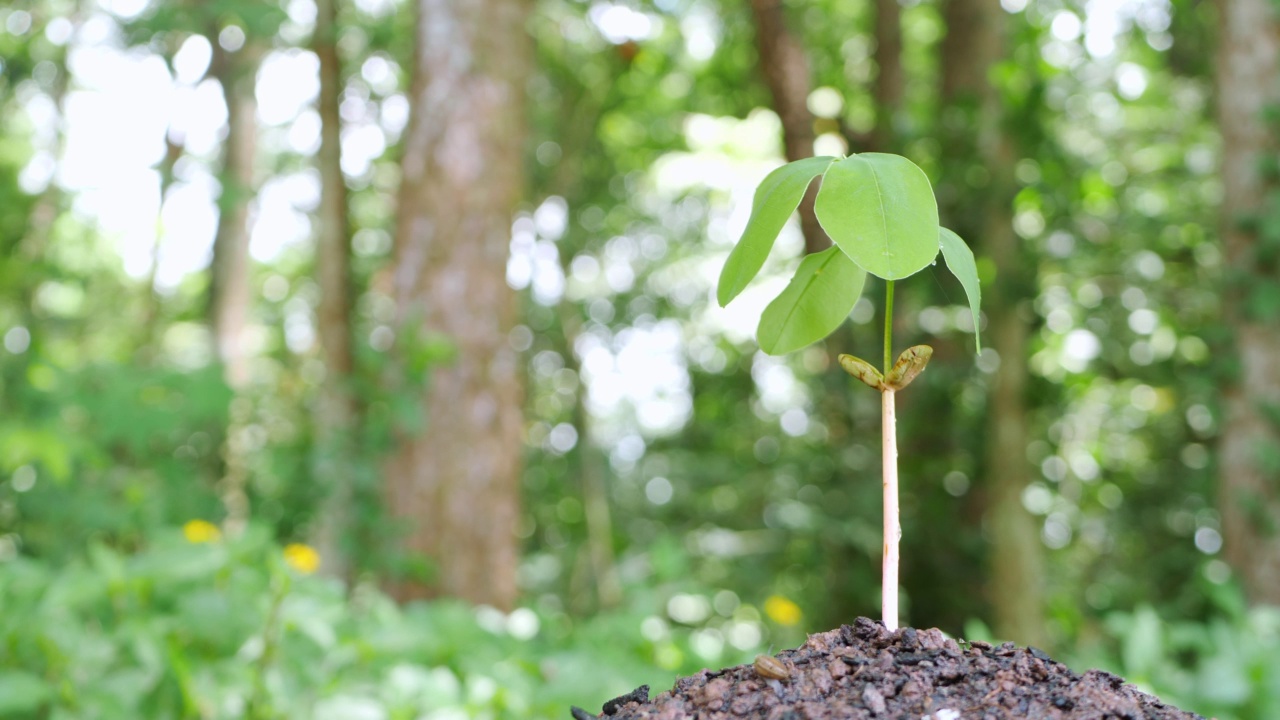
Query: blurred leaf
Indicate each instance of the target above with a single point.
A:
(22, 445)
(22, 692)
(881, 211)
(960, 262)
(815, 302)
(1142, 644)
(776, 198)
(1264, 301)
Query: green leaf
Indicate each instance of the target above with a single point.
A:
(961, 264)
(777, 197)
(881, 211)
(22, 692)
(815, 302)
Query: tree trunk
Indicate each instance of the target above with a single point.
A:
(230, 294)
(974, 43)
(888, 87)
(786, 71)
(456, 483)
(1248, 81)
(336, 409)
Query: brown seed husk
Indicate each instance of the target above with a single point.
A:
(863, 370)
(910, 364)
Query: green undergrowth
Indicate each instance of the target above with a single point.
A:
(1227, 667)
(229, 629)
(237, 629)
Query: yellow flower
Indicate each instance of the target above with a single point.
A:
(201, 531)
(782, 610)
(303, 558)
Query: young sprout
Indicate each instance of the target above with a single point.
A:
(880, 211)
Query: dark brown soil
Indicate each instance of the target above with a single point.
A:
(864, 671)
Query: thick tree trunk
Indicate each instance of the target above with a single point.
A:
(456, 482)
(974, 42)
(785, 68)
(230, 293)
(1248, 81)
(336, 409)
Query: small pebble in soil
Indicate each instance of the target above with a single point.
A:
(639, 695)
(865, 672)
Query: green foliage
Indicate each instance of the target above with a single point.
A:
(777, 197)
(815, 302)
(22, 693)
(115, 413)
(880, 210)
(1224, 668)
(227, 629)
(111, 450)
(961, 264)
(257, 19)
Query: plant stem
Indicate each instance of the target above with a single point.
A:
(892, 530)
(888, 326)
(889, 451)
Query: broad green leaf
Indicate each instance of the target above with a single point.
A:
(881, 211)
(777, 197)
(815, 302)
(961, 264)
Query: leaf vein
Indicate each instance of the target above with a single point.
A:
(786, 322)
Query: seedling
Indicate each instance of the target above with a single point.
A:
(880, 211)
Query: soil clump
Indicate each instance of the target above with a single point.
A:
(865, 672)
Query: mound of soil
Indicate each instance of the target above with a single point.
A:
(864, 671)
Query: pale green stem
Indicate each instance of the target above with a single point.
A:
(888, 326)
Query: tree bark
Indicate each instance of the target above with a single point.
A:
(887, 90)
(230, 293)
(336, 407)
(456, 483)
(974, 43)
(1248, 82)
(785, 68)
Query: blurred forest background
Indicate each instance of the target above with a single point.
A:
(360, 359)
